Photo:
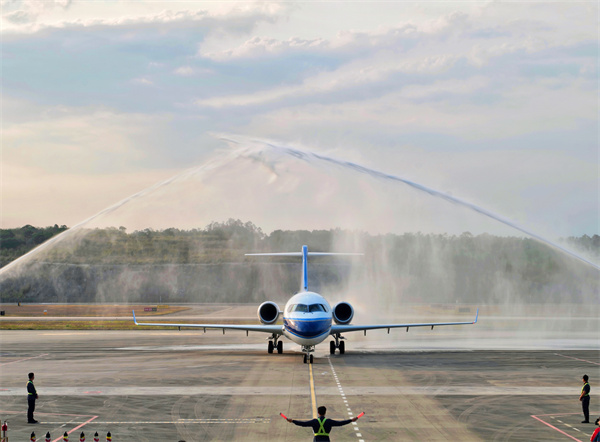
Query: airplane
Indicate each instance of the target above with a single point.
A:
(308, 319)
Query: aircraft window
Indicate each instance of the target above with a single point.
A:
(316, 308)
(291, 308)
(301, 308)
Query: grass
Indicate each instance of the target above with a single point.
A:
(95, 310)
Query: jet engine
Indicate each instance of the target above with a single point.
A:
(268, 312)
(343, 313)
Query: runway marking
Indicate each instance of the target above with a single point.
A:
(564, 423)
(554, 428)
(47, 414)
(335, 376)
(26, 359)
(560, 414)
(76, 428)
(259, 420)
(313, 396)
(577, 359)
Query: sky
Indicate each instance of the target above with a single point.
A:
(495, 103)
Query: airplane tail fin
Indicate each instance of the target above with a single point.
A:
(304, 254)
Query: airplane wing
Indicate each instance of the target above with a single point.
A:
(272, 329)
(335, 329)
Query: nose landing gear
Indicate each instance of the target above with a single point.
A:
(308, 349)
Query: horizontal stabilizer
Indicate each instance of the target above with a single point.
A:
(304, 254)
(308, 254)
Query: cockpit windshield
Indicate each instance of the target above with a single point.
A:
(303, 308)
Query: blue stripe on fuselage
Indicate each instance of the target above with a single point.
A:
(307, 328)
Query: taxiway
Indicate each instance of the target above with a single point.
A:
(188, 386)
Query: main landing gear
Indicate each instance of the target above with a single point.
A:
(275, 343)
(308, 349)
(337, 344)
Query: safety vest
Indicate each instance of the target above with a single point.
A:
(321, 431)
(29, 382)
(586, 394)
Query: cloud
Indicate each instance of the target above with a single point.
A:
(20, 17)
(84, 140)
(347, 77)
(227, 17)
(445, 78)
(353, 62)
(453, 107)
(188, 71)
(260, 46)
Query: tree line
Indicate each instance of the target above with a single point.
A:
(208, 264)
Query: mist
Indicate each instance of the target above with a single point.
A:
(426, 253)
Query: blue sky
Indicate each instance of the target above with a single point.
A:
(496, 103)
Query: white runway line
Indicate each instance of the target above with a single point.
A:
(355, 425)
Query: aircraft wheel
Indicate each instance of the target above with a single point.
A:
(280, 347)
(270, 347)
(311, 359)
(342, 348)
(331, 347)
(305, 359)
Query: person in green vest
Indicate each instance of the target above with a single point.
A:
(31, 397)
(321, 425)
(584, 397)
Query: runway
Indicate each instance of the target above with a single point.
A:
(148, 385)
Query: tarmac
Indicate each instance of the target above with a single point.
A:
(156, 385)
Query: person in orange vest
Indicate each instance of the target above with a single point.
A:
(321, 425)
(584, 397)
(31, 397)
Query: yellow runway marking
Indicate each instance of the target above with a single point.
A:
(313, 397)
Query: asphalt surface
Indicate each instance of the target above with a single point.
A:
(151, 385)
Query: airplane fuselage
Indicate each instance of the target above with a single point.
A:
(307, 319)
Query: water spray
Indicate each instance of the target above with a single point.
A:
(303, 155)
(310, 158)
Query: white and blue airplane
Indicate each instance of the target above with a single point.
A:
(308, 319)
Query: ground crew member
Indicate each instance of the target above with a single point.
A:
(31, 397)
(321, 425)
(584, 397)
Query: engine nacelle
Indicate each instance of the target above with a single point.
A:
(343, 313)
(268, 312)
